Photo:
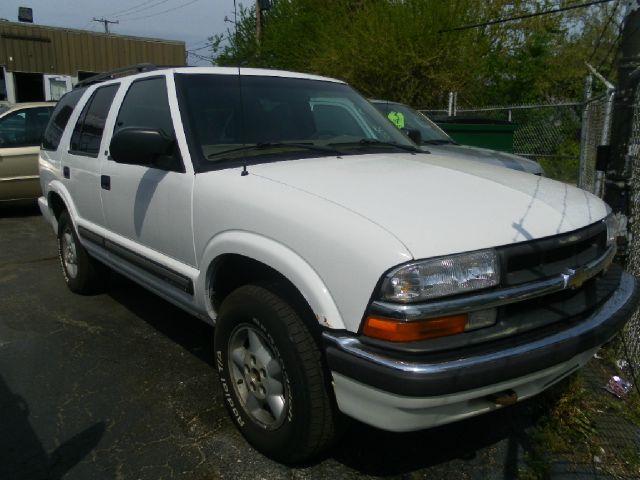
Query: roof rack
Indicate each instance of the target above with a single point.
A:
(122, 72)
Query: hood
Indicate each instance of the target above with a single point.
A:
(438, 205)
(491, 157)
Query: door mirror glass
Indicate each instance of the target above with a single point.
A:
(141, 146)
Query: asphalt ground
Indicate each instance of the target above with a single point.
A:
(121, 385)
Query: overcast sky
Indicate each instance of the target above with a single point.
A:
(191, 21)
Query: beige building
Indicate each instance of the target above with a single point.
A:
(40, 63)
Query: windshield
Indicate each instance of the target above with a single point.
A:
(403, 116)
(279, 119)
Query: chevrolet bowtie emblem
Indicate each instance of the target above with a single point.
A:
(574, 278)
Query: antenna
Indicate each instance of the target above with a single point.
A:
(242, 136)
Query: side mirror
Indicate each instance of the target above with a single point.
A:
(413, 134)
(140, 146)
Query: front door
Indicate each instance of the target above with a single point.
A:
(150, 205)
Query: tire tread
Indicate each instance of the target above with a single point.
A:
(322, 429)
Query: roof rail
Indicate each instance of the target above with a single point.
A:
(122, 72)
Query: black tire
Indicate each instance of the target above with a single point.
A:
(88, 275)
(308, 422)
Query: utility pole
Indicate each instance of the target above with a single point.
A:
(258, 22)
(105, 22)
(622, 167)
(261, 6)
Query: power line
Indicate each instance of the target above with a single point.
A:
(163, 11)
(201, 42)
(522, 17)
(140, 8)
(135, 7)
(208, 45)
(200, 57)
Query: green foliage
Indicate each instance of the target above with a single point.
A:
(396, 49)
(565, 166)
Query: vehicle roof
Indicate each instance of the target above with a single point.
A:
(20, 106)
(265, 72)
(234, 71)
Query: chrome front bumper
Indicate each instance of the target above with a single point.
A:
(442, 373)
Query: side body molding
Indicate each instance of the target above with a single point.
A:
(276, 256)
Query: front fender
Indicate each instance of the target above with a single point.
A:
(280, 258)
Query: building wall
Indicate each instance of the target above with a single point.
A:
(50, 50)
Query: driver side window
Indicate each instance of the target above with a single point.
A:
(146, 105)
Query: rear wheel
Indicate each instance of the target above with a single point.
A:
(272, 377)
(82, 273)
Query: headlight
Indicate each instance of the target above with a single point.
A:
(438, 277)
(612, 228)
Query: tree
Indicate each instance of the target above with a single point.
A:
(400, 50)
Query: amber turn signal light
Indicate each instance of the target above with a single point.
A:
(399, 331)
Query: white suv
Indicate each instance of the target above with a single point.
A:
(345, 270)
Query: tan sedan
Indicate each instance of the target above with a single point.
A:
(21, 129)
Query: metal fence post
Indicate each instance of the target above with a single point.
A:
(598, 187)
(584, 132)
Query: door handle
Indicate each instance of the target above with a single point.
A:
(105, 182)
(65, 172)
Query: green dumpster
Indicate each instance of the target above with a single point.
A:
(480, 132)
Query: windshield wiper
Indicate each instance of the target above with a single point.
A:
(373, 142)
(442, 141)
(268, 145)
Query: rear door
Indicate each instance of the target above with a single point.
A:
(81, 165)
(150, 205)
(20, 136)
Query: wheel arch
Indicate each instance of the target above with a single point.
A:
(240, 257)
(59, 200)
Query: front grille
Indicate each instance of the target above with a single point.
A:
(539, 259)
(528, 320)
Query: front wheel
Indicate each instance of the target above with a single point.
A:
(272, 377)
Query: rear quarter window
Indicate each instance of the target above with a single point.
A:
(59, 119)
(87, 133)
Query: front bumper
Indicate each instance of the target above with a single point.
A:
(413, 383)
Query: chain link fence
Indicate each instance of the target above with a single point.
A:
(548, 133)
(632, 330)
(564, 137)
(596, 130)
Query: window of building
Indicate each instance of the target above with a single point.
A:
(3, 86)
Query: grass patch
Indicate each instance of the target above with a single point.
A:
(568, 428)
